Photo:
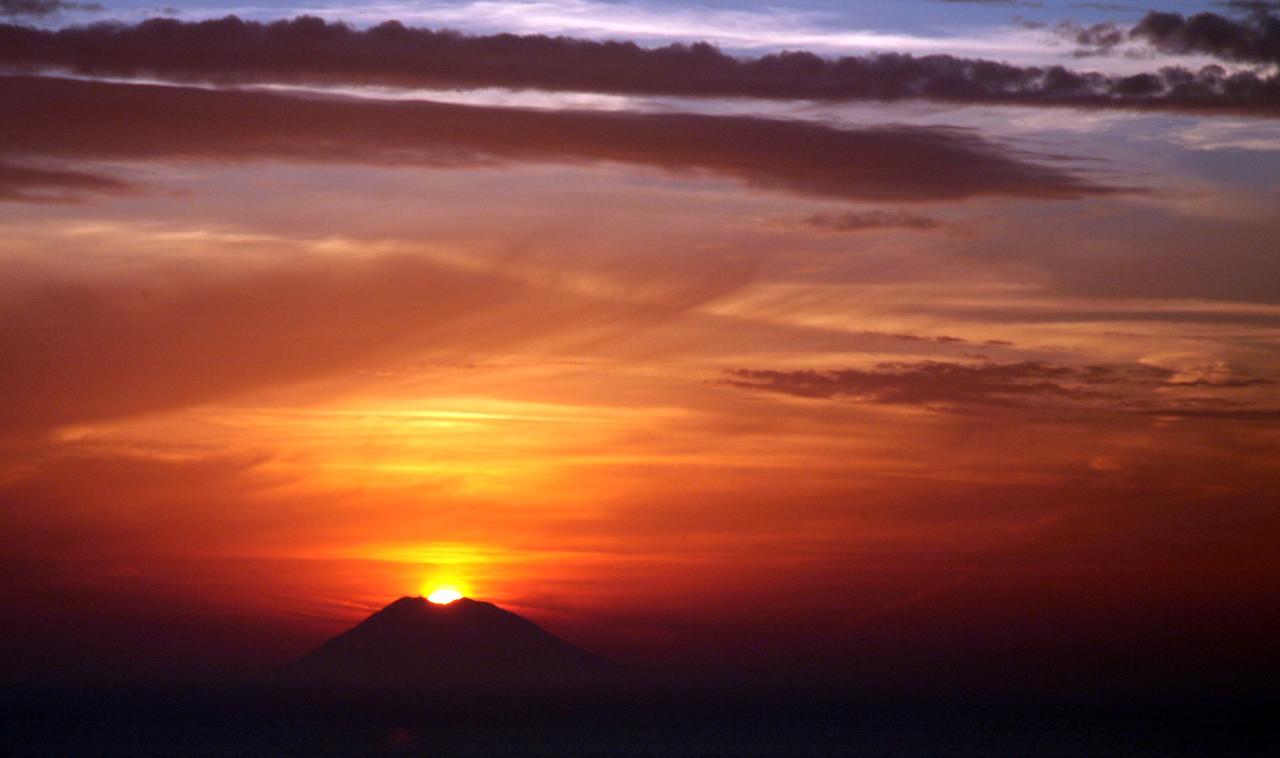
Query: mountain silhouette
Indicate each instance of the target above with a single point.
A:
(467, 642)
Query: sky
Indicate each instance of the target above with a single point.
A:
(926, 356)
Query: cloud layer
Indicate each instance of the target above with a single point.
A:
(43, 8)
(34, 184)
(311, 50)
(1253, 39)
(63, 120)
(968, 387)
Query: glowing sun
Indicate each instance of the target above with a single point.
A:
(444, 596)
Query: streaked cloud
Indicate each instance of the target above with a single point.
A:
(857, 221)
(310, 50)
(741, 29)
(879, 163)
(36, 184)
(969, 387)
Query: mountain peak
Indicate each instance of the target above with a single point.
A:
(472, 642)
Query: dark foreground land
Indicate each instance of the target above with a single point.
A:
(258, 720)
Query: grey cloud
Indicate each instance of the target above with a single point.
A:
(310, 50)
(44, 8)
(1254, 38)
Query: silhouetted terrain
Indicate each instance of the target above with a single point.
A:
(194, 720)
(413, 642)
(470, 678)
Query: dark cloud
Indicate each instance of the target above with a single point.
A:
(1252, 39)
(32, 184)
(930, 382)
(1096, 39)
(63, 119)
(972, 386)
(1249, 6)
(43, 8)
(311, 50)
(1108, 6)
(1255, 38)
(859, 221)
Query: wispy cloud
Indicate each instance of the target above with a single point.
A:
(857, 221)
(762, 28)
(36, 184)
(1134, 388)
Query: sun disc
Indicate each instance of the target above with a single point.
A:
(444, 596)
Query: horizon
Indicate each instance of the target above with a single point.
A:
(928, 347)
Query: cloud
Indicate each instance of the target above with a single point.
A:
(310, 50)
(967, 387)
(739, 28)
(1097, 39)
(31, 184)
(858, 221)
(1108, 6)
(1254, 39)
(929, 382)
(1249, 6)
(62, 120)
(43, 8)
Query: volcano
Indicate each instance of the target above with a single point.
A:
(466, 642)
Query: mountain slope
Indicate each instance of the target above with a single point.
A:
(467, 642)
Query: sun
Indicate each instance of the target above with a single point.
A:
(444, 596)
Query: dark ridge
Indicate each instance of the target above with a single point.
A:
(417, 643)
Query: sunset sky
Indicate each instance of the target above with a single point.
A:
(910, 353)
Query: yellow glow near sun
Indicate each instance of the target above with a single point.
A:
(444, 596)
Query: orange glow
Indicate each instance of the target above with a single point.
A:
(444, 596)
(656, 394)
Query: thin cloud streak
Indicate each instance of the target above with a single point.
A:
(35, 184)
(856, 221)
(966, 387)
(738, 29)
